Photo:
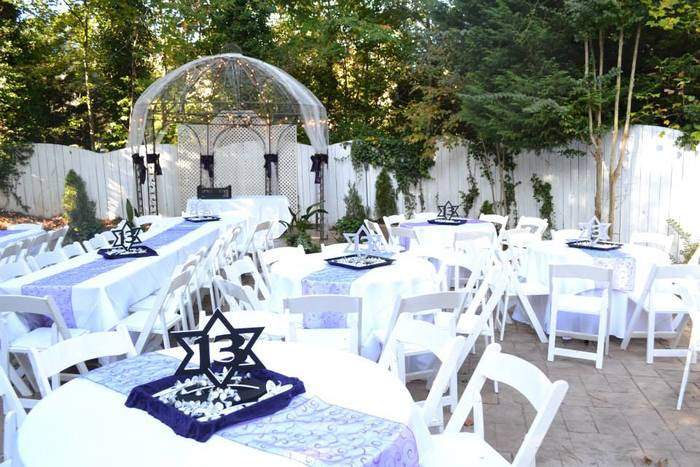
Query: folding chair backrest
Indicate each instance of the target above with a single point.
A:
(424, 216)
(14, 269)
(501, 221)
(10, 252)
(37, 244)
(14, 417)
(27, 305)
(236, 295)
(480, 238)
(314, 304)
(24, 227)
(73, 249)
(10, 401)
(545, 397)
(495, 284)
(656, 240)
(396, 219)
(533, 225)
(243, 266)
(171, 295)
(374, 228)
(56, 238)
(67, 353)
(48, 258)
(661, 276)
(403, 232)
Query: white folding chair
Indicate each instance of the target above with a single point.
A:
(311, 307)
(457, 448)
(259, 239)
(336, 249)
(50, 362)
(376, 229)
(97, 242)
(55, 240)
(527, 230)
(46, 259)
(581, 304)
(269, 257)
(14, 417)
(244, 310)
(396, 219)
(12, 342)
(443, 344)
(564, 235)
(10, 252)
(689, 294)
(246, 267)
(15, 269)
(24, 227)
(517, 287)
(660, 297)
(36, 245)
(501, 223)
(169, 311)
(655, 240)
(73, 249)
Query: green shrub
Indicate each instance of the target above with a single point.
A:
(355, 214)
(385, 198)
(487, 207)
(297, 228)
(542, 191)
(79, 210)
(687, 245)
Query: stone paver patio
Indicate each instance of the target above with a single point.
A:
(621, 415)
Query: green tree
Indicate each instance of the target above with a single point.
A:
(79, 210)
(385, 197)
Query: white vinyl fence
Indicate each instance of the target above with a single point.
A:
(660, 181)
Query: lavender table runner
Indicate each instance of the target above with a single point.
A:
(331, 280)
(406, 243)
(309, 430)
(60, 285)
(622, 264)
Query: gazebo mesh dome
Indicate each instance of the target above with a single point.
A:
(242, 90)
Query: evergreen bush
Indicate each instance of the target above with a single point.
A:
(79, 210)
(355, 213)
(385, 198)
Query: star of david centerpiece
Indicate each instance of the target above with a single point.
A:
(355, 239)
(594, 230)
(239, 353)
(126, 235)
(447, 211)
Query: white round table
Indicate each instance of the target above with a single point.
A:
(437, 237)
(85, 424)
(629, 277)
(256, 208)
(379, 289)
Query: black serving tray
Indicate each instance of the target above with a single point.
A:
(600, 246)
(137, 251)
(337, 261)
(202, 218)
(223, 192)
(447, 221)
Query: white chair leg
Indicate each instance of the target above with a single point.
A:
(679, 331)
(630, 326)
(684, 381)
(504, 316)
(552, 334)
(651, 322)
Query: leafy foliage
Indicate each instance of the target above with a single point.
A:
(385, 199)
(688, 246)
(298, 228)
(487, 207)
(355, 213)
(130, 212)
(79, 210)
(542, 191)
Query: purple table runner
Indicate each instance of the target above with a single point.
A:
(60, 285)
(331, 280)
(309, 430)
(623, 265)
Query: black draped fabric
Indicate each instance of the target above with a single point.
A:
(269, 159)
(206, 161)
(154, 158)
(317, 161)
(138, 162)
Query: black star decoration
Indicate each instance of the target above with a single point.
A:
(126, 235)
(133, 237)
(447, 211)
(241, 351)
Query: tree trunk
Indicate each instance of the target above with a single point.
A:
(612, 203)
(86, 74)
(616, 166)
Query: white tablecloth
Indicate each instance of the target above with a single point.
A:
(442, 236)
(101, 302)
(256, 208)
(541, 255)
(84, 424)
(13, 236)
(379, 289)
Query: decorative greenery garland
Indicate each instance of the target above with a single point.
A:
(542, 192)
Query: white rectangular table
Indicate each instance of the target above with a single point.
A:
(257, 208)
(100, 302)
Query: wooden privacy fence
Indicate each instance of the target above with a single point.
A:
(659, 181)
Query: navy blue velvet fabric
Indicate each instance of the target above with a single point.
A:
(141, 397)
